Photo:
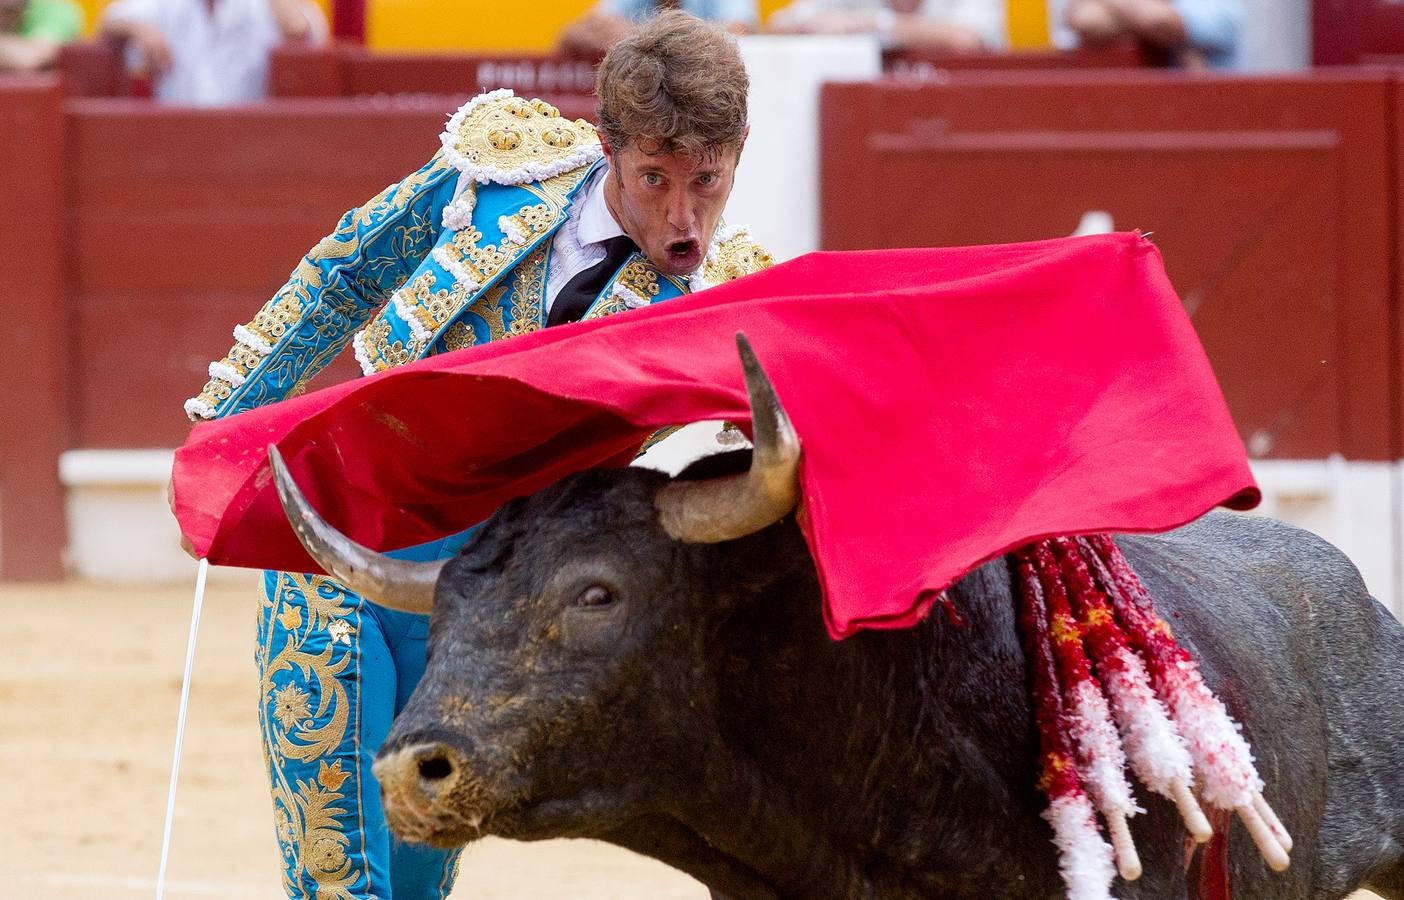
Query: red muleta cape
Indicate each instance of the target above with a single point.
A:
(952, 404)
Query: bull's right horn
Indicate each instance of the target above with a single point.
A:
(733, 506)
(393, 583)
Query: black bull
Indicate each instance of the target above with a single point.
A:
(592, 675)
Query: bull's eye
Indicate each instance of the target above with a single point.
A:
(594, 596)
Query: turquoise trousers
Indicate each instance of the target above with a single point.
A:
(335, 669)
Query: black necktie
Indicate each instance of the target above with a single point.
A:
(575, 298)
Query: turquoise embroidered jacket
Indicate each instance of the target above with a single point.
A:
(420, 271)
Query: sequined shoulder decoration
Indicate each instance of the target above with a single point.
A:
(500, 138)
(732, 254)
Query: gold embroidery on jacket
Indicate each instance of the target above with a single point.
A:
(556, 191)
(639, 277)
(394, 197)
(459, 336)
(480, 262)
(529, 221)
(606, 306)
(290, 305)
(385, 353)
(736, 257)
(488, 307)
(274, 320)
(512, 136)
(433, 308)
(528, 293)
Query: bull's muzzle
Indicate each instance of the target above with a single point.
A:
(430, 794)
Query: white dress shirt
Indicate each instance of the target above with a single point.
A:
(579, 242)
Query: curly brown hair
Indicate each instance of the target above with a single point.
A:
(675, 85)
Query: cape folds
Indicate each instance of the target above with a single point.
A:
(952, 404)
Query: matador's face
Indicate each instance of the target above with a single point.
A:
(669, 203)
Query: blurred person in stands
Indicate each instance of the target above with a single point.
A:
(610, 21)
(522, 220)
(31, 32)
(209, 52)
(1196, 33)
(946, 26)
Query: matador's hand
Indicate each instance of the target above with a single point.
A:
(185, 544)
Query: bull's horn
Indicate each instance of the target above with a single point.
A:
(730, 507)
(394, 583)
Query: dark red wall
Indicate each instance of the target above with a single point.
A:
(1344, 32)
(348, 71)
(34, 416)
(182, 223)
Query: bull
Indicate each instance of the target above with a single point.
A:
(642, 660)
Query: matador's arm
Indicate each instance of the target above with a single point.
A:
(335, 289)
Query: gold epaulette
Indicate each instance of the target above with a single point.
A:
(733, 254)
(500, 138)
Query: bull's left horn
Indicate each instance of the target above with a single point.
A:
(394, 583)
(733, 506)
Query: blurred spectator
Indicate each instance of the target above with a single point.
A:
(940, 25)
(612, 20)
(1196, 33)
(209, 52)
(31, 32)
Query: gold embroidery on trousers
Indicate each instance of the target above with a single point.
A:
(313, 843)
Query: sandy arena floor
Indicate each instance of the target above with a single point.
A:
(89, 687)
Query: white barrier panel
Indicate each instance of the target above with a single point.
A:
(1354, 505)
(119, 526)
(121, 530)
(777, 183)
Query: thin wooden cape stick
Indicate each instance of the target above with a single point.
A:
(180, 724)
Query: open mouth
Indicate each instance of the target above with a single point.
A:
(684, 256)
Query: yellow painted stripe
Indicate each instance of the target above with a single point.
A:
(1028, 24)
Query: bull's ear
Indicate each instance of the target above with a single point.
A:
(762, 574)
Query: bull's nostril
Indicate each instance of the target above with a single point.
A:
(435, 768)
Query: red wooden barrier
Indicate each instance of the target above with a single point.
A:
(1354, 31)
(349, 71)
(183, 222)
(302, 70)
(32, 368)
(1396, 264)
(927, 65)
(94, 69)
(1271, 199)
